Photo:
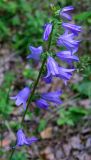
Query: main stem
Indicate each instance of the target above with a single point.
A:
(35, 85)
(34, 88)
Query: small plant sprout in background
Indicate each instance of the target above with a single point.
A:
(50, 68)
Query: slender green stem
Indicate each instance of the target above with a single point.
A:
(34, 88)
(35, 85)
(13, 150)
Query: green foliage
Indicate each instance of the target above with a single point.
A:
(19, 156)
(5, 104)
(83, 17)
(84, 86)
(20, 24)
(42, 125)
(71, 116)
(15, 126)
(30, 73)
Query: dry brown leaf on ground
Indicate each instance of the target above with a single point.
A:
(47, 154)
(47, 133)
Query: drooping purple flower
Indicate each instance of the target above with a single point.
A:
(47, 31)
(65, 12)
(65, 73)
(54, 70)
(22, 97)
(41, 103)
(35, 53)
(23, 140)
(68, 41)
(72, 28)
(67, 56)
(52, 96)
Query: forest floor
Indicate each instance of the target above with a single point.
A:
(56, 142)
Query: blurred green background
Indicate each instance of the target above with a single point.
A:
(21, 21)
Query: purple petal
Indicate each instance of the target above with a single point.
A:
(35, 53)
(32, 140)
(67, 56)
(19, 101)
(48, 79)
(41, 103)
(52, 67)
(72, 27)
(21, 139)
(24, 93)
(65, 74)
(22, 97)
(66, 16)
(52, 96)
(65, 12)
(68, 41)
(47, 31)
(68, 8)
(67, 70)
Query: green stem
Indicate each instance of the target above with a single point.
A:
(34, 88)
(13, 150)
(35, 84)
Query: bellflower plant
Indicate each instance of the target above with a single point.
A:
(65, 12)
(50, 68)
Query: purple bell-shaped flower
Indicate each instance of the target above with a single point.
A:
(65, 12)
(23, 140)
(47, 31)
(52, 97)
(67, 56)
(41, 103)
(22, 97)
(68, 41)
(35, 53)
(72, 28)
(52, 68)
